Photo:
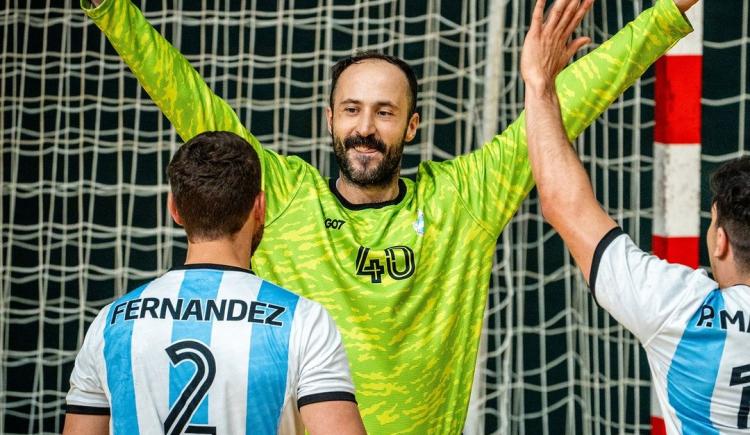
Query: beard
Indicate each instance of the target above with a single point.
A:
(366, 170)
(257, 237)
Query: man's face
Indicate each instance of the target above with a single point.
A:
(369, 122)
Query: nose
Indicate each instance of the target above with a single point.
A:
(365, 124)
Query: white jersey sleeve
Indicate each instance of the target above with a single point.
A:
(87, 394)
(642, 291)
(694, 333)
(323, 367)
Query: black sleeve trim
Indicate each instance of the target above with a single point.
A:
(326, 397)
(598, 252)
(87, 410)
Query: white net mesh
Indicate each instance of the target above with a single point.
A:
(83, 186)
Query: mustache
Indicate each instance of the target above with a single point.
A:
(368, 141)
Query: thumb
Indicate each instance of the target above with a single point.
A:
(576, 45)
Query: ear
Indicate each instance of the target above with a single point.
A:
(172, 207)
(411, 128)
(721, 248)
(329, 119)
(259, 208)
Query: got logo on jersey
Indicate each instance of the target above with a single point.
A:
(334, 223)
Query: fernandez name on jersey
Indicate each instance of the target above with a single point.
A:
(209, 349)
(200, 310)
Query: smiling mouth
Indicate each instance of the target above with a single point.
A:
(365, 150)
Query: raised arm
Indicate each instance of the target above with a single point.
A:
(588, 86)
(641, 291)
(497, 177)
(168, 78)
(567, 199)
(184, 97)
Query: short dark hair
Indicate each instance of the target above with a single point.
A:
(340, 66)
(214, 178)
(730, 185)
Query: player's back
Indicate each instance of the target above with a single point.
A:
(703, 357)
(209, 349)
(696, 335)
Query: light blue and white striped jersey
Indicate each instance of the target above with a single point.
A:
(209, 349)
(696, 337)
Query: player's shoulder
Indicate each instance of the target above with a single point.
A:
(620, 253)
(737, 297)
(291, 164)
(271, 291)
(123, 299)
(429, 169)
(433, 177)
(305, 311)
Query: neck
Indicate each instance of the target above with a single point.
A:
(726, 273)
(356, 194)
(732, 278)
(226, 251)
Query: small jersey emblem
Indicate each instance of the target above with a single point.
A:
(419, 224)
(334, 223)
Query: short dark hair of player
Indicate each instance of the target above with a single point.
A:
(340, 66)
(214, 178)
(730, 185)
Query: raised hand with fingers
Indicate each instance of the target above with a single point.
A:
(548, 47)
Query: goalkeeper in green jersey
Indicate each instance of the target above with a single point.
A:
(402, 265)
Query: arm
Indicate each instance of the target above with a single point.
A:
(497, 177)
(87, 406)
(569, 206)
(641, 291)
(183, 96)
(79, 424)
(332, 417)
(168, 78)
(325, 391)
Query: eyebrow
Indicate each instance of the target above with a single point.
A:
(377, 103)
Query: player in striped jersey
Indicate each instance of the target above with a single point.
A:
(401, 264)
(209, 347)
(695, 330)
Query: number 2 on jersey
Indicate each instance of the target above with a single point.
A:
(195, 390)
(739, 379)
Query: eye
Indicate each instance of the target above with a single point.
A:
(350, 109)
(385, 113)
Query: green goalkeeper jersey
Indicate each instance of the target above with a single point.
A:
(406, 281)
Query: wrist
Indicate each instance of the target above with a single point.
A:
(541, 88)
